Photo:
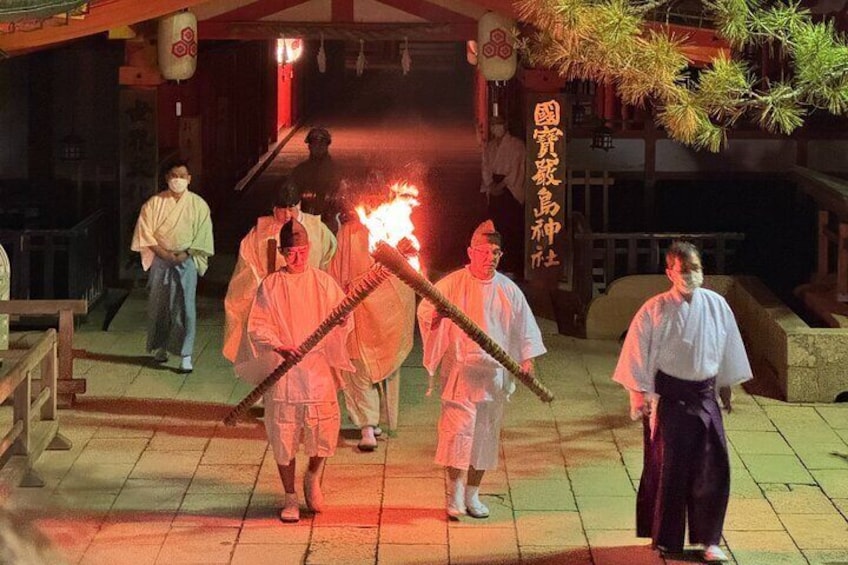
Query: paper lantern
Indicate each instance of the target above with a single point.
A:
(178, 46)
(289, 50)
(471, 52)
(496, 55)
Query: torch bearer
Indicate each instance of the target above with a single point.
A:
(363, 287)
(389, 257)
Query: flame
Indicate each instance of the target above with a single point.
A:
(392, 221)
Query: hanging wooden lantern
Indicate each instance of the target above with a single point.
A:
(496, 55)
(178, 46)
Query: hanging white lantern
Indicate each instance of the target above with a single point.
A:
(496, 56)
(360, 59)
(294, 49)
(289, 50)
(178, 46)
(471, 52)
(405, 59)
(322, 57)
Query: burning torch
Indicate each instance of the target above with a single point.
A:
(391, 228)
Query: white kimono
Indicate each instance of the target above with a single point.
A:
(175, 225)
(505, 158)
(691, 341)
(287, 309)
(383, 334)
(252, 267)
(474, 385)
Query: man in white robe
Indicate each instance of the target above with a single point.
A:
(174, 237)
(474, 386)
(683, 346)
(301, 407)
(259, 255)
(503, 183)
(381, 340)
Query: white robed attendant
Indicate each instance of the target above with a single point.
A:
(381, 340)
(474, 387)
(173, 235)
(504, 161)
(301, 407)
(259, 255)
(503, 170)
(683, 349)
(691, 339)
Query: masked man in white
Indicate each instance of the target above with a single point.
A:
(683, 349)
(503, 183)
(475, 387)
(174, 237)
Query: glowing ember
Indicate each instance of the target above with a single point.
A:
(392, 221)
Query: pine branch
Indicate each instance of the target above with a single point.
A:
(606, 41)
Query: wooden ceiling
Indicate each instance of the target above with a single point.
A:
(433, 20)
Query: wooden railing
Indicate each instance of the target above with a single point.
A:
(34, 423)
(38, 255)
(600, 258)
(67, 387)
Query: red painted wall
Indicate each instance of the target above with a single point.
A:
(285, 79)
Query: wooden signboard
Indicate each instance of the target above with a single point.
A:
(544, 205)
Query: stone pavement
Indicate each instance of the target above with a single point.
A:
(154, 477)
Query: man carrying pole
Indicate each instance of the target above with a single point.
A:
(302, 407)
(474, 386)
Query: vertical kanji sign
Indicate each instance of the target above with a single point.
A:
(544, 209)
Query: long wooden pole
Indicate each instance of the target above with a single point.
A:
(390, 258)
(365, 286)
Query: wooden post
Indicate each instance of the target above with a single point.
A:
(606, 200)
(609, 262)
(842, 264)
(22, 396)
(720, 252)
(655, 255)
(49, 374)
(823, 245)
(632, 256)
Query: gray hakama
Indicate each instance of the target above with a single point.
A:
(171, 311)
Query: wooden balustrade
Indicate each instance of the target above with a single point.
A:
(67, 387)
(35, 426)
(604, 257)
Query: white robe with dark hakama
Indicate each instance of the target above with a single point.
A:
(683, 351)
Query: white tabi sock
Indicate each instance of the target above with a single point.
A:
(475, 508)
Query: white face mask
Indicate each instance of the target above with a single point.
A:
(692, 280)
(177, 185)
